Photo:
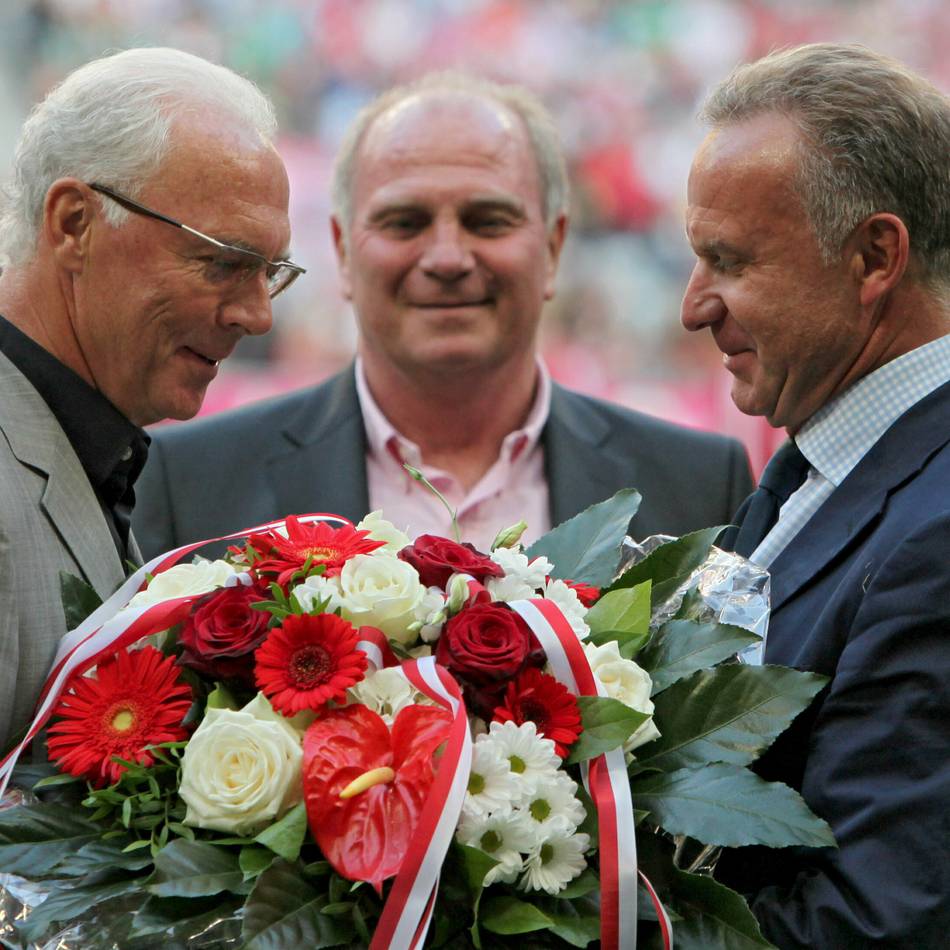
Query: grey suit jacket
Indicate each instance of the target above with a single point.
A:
(50, 521)
(306, 452)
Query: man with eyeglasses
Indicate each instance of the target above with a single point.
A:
(450, 210)
(114, 313)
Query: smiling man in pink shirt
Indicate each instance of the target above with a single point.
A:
(450, 213)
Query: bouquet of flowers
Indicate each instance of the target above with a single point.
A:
(338, 737)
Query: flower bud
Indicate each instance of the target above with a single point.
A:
(509, 537)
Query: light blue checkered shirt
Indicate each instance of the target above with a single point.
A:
(844, 430)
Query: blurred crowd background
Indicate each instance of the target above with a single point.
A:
(624, 81)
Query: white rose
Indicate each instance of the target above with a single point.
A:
(430, 612)
(379, 590)
(182, 580)
(319, 588)
(241, 770)
(382, 530)
(386, 692)
(622, 679)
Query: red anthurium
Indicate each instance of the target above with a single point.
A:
(385, 778)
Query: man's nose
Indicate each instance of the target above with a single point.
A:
(702, 306)
(249, 307)
(447, 255)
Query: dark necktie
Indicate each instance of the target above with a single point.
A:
(758, 513)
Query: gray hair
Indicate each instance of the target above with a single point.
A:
(875, 137)
(538, 123)
(110, 121)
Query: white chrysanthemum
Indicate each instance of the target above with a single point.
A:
(382, 530)
(530, 757)
(556, 862)
(572, 608)
(430, 612)
(503, 836)
(554, 803)
(183, 580)
(523, 578)
(622, 679)
(386, 692)
(316, 589)
(491, 783)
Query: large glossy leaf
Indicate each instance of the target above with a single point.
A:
(194, 869)
(729, 806)
(67, 904)
(713, 916)
(79, 599)
(284, 911)
(508, 915)
(606, 724)
(576, 924)
(728, 714)
(587, 547)
(286, 836)
(105, 856)
(670, 564)
(181, 918)
(682, 647)
(34, 838)
(622, 615)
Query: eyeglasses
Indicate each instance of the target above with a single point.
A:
(280, 274)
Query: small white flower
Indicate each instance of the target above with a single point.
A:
(430, 612)
(503, 836)
(622, 679)
(530, 757)
(556, 862)
(182, 580)
(554, 802)
(491, 784)
(386, 692)
(572, 608)
(523, 579)
(317, 588)
(382, 530)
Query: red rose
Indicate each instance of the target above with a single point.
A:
(437, 559)
(223, 631)
(586, 593)
(484, 643)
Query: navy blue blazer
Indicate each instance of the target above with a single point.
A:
(306, 451)
(862, 595)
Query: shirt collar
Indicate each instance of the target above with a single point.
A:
(839, 434)
(102, 438)
(384, 439)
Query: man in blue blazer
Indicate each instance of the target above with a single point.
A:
(819, 211)
(450, 210)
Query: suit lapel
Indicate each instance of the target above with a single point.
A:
(38, 441)
(572, 440)
(859, 500)
(322, 456)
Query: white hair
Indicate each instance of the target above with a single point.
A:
(109, 121)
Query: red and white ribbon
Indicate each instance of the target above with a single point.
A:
(111, 627)
(405, 919)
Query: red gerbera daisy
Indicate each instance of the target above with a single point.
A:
(134, 700)
(308, 661)
(536, 697)
(318, 543)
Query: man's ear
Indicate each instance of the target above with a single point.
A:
(555, 243)
(881, 253)
(343, 265)
(67, 217)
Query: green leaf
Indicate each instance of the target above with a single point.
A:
(79, 599)
(712, 915)
(194, 869)
(727, 714)
(67, 904)
(221, 698)
(286, 836)
(53, 780)
(682, 647)
(624, 616)
(670, 564)
(284, 911)
(574, 926)
(587, 547)
(586, 883)
(35, 838)
(476, 865)
(508, 915)
(253, 860)
(607, 723)
(181, 919)
(731, 807)
(106, 856)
